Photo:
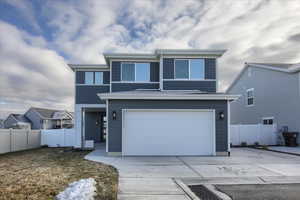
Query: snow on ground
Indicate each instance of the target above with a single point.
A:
(84, 189)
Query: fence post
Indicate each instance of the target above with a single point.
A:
(10, 140)
(27, 136)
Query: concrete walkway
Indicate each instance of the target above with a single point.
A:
(154, 177)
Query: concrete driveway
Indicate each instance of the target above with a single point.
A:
(155, 177)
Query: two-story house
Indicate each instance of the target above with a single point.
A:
(270, 94)
(165, 103)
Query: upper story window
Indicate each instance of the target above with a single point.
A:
(135, 72)
(191, 69)
(93, 78)
(250, 97)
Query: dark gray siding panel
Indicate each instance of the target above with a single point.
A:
(106, 77)
(210, 68)
(88, 94)
(35, 119)
(154, 72)
(207, 86)
(116, 71)
(168, 68)
(79, 77)
(115, 126)
(117, 87)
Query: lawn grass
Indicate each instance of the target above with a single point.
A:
(43, 173)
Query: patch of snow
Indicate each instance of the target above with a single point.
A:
(84, 189)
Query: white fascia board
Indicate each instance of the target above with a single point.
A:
(167, 52)
(87, 66)
(169, 97)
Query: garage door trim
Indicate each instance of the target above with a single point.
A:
(170, 110)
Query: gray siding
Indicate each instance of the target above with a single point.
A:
(168, 68)
(10, 120)
(79, 77)
(276, 95)
(87, 94)
(106, 77)
(154, 72)
(35, 119)
(207, 86)
(210, 68)
(115, 126)
(116, 71)
(117, 87)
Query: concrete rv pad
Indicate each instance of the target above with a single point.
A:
(153, 177)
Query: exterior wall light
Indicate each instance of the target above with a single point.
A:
(221, 115)
(114, 115)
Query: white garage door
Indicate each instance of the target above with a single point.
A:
(168, 132)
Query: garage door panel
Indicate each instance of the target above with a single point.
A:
(168, 133)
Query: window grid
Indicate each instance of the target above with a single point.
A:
(189, 70)
(135, 76)
(250, 97)
(93, 78)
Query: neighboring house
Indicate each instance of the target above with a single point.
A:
(165, 103)
(42, 118)
(1, 123)
(270, 95)
(17, 121)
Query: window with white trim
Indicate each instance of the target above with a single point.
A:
(190, 69)
(250, 97)
(268, 121)
(93, 78)
(135, 72)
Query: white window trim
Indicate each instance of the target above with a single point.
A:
(247, 98)
(189, 73)
(267, 118)
(134, 63)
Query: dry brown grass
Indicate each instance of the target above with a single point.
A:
(43, 173)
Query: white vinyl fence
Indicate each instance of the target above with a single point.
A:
(19, 139)
(58, 137)
(252, 133)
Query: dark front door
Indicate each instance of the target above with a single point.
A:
(93, 126)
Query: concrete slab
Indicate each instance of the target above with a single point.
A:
(233, 171)
(295, 150)
(152, 197)
(284, 169)
(142, 171)
(162, 186)
(281, 179)
(222, 180)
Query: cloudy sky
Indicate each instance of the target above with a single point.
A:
(38, 38)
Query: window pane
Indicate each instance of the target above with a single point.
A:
(250, 93)
(182, 69)
(265, 121)
(142, 71)
(89, 78)
(270, 121)
(128, 72)
(250, 101)
(98, 77)
(197, 69)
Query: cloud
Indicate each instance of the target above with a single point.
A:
(251, 31)
(31, 75)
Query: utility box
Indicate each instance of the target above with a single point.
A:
(290, 138)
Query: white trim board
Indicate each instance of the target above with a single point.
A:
(172, 110)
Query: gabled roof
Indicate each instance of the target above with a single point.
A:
(150, 56)
(167, 95)
(20, 118)
(50, 113)
(280, 67)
